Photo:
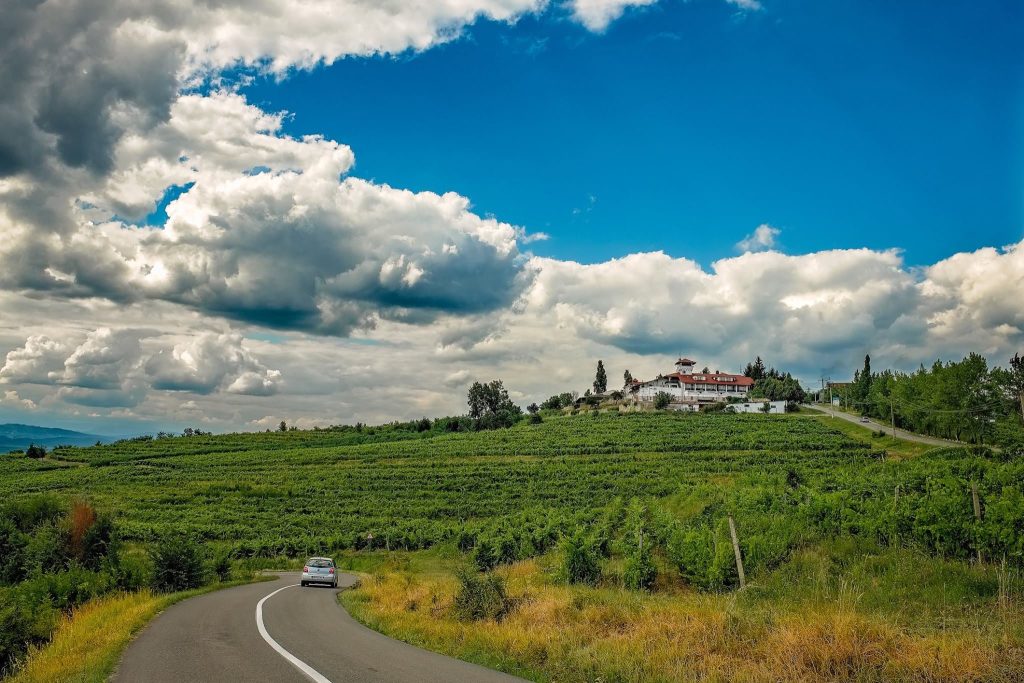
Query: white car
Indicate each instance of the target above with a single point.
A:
(320, 570)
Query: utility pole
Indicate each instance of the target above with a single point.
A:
(892, 414)
(977, 510)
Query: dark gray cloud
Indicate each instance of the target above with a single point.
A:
(75, 75)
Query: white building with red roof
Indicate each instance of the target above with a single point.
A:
(690, 390)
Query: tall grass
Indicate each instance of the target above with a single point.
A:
(765, 633)
(89, 641)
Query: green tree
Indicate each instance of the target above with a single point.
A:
(755, 370)
(662, 399)
(559, 401)
(600, 379)
(863, 380)
(177, 564)
(490, 406)
(552, 403)
(1015, 381)
(779, 388)
(627, 380)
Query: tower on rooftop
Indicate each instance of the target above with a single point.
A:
(684, 366)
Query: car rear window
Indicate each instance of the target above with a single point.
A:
(320, 563)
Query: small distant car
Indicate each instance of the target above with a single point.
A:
(320, 570)
(864, 419)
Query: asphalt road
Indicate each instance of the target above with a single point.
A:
(900, 433)
(216, 637)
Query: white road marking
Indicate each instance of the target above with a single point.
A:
(310, 672)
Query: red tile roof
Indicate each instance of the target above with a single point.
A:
(712, 378)
(715, 378)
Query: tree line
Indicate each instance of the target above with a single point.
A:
(963, 400)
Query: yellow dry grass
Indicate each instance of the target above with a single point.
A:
(87, 642)
(559, 633)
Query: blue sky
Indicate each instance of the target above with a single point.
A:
(175, 250)
(686, 125)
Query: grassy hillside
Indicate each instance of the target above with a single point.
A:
(787, 480)
(298, 492)
(861, 562)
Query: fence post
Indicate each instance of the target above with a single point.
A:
(977, 511)
(895, 521)
(736, 550)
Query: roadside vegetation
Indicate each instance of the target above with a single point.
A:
(839, 611)
(89, 640)
(63, 557)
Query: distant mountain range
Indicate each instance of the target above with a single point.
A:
(18, 437)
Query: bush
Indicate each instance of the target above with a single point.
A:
(99, 543)
(132, 571)
(46, 550)
(30, 512)
(24, 622)
(535, 418)
(692, 551)
(12, 552)
(580, 560)
(481, 596)
(222, 566)
(34, 451)
(640, 572)
(177, 564)
(508, 549)
(662, 399)
(485, 557)
(67, 589)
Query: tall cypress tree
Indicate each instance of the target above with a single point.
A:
(600, 379)
(864, 380)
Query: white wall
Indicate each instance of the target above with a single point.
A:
(647, 393)
(756, 406)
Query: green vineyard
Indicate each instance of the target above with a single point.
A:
(788, 481)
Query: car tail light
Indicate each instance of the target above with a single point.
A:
(331, 571)
(305, 569)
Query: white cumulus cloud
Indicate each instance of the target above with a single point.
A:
(762, 238)
(596, 15)
(209, 362)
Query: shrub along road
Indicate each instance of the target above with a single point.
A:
(216, 637)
